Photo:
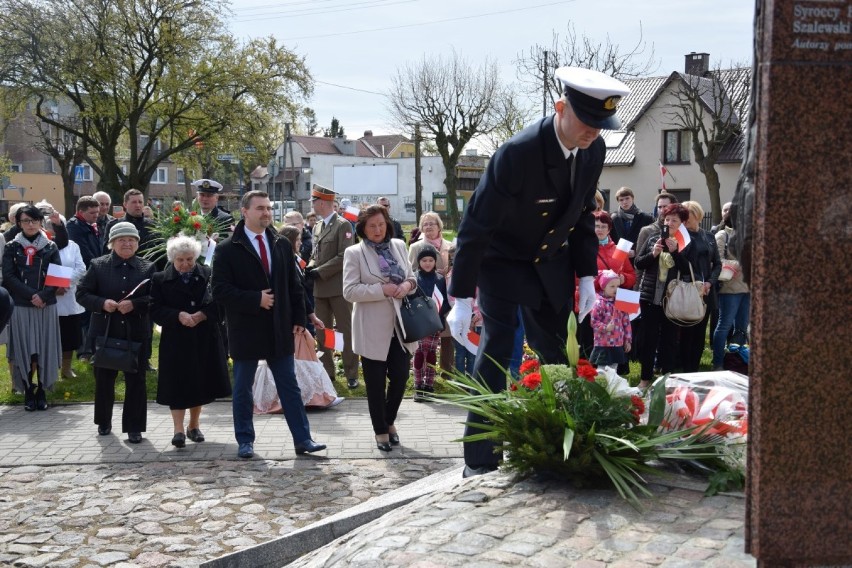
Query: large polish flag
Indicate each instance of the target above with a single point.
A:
(332, 339)
(351, 213)
(627, 301)
(622, 250)
(58, 275)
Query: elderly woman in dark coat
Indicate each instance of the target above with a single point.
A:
(34, 346)
(192, 366)
(116, 290)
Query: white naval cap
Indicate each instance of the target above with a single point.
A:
(207, 185)
(593, 95)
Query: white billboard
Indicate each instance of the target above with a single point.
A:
(366, 179)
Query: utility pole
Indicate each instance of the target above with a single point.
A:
(544, 88)
(418, 182)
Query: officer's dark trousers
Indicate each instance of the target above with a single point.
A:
(546, 333)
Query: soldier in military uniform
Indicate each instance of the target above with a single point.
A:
(207, 193)
(332, 234)
(544, 180)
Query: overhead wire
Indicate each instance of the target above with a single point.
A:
(322, 10)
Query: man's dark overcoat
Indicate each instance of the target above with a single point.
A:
(238, 279)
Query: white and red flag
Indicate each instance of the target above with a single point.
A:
(301, 262)
(351, 213)
(627, 301)
(682, 237)
(438, 298)
(621, 252)
(332, 339)
(663, 172)
(58, 275)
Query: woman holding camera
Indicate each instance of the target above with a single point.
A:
(661, 259)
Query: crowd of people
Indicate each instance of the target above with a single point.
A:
(315, 273)
(273, 295)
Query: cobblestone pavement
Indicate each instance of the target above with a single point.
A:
(177, 514)
(72, 499)
(491, 521)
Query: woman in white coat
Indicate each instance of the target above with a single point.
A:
(69, 311)
(376, 276)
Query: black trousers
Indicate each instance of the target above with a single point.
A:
(546, 333)
(385, 382)
(135, 409)
(657, 331)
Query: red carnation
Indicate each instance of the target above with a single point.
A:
(532, 381)
(197, 225)
(176, 219)
(176, 208)
(529, 366)
(193, 213)
(638, 407)
(587, 372)
(513, 387)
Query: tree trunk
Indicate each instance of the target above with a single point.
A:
(713, 186)
(451, 182)
(418, 179)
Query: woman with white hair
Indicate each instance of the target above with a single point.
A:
(192, 366)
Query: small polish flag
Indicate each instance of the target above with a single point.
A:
(663, 172)
(301, 262)
(471, 342)
(438, 298)
(351, 213)
(59, 276)
(332, 339)
(627, 301)
(622, 250)
(682, 237)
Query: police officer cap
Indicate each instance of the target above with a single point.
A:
(593, 95)
(322, 193)
(207, 186)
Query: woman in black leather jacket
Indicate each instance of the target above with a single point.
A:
(34, 345)
(707, 265)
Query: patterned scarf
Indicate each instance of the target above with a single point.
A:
(31, 247)
(387, 263)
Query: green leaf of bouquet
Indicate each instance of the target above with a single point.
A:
(657, 407)
(567, 443)
(622, 441)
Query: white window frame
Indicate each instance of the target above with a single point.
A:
(161, 176)
(180, 176)
(88, 174)
(16, 168)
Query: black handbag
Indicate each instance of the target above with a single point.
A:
(419, 317)
(116, 354)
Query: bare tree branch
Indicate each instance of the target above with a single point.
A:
(453, 101)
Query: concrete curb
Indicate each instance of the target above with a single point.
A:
(284, 550)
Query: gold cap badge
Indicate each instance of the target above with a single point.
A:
(609, 103)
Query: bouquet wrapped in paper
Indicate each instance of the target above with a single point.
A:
(717, 401)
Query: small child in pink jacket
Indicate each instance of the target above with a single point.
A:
(610, 325)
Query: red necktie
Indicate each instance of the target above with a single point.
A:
(264, 260)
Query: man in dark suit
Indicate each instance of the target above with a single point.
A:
(83, 229)
(544, 180)
(247, 267)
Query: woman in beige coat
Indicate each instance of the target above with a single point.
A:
(376, 276)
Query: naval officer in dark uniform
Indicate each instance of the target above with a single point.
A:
(207, 192)
(544, 180)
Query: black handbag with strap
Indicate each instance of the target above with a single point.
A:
(116, 354)
(419, 317)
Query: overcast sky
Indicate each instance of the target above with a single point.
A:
(357, 45)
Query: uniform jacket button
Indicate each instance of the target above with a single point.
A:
(543, 247)
(537, 260)
(545, 214)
